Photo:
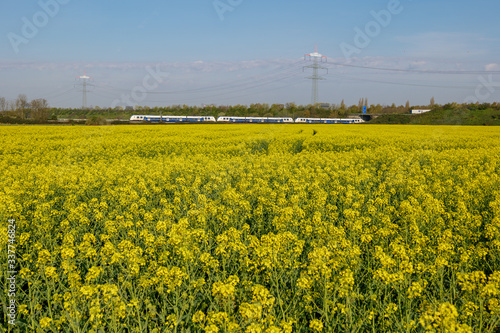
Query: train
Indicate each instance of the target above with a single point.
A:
(171, 119)
(232, 119)
(329, 120)
(229, 119)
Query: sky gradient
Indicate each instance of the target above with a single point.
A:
(240, 51)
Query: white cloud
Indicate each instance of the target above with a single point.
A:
(492, 67)
(195, 66)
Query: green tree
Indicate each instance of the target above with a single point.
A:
(22, 106)
(3, 104)
(40, 109)
(276, 110)
(376, 108)
(292, 108)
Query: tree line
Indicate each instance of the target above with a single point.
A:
(38, 110)
(253, 110)
(23, 109)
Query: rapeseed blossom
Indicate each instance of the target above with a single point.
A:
(196, 228)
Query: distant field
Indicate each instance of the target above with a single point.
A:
(482, 115)
(252, 228)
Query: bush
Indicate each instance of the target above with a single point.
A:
(96, 120)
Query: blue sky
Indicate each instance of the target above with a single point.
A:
(242, 51)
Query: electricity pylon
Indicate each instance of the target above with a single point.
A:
(84, 85)
(317, 59)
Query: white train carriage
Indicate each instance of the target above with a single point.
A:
(308, 120)
(171, 119)
(353, 121)
(139, 118)
(156, 119)
(231, 119)
(329, 120)
(279, 120)
(200, 118)
(256, 119)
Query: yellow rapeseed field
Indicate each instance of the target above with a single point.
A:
(252, 228)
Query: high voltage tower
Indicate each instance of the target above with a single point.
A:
(85, 85)
(317, 59)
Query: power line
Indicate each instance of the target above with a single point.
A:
(229, 88)
(244, 87)
(252, 85)
(406, 84)
(416, 70)
(231, 84)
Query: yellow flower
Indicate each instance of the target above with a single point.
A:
(316, 325)
(273, 329)
(45, 322)
(198, 317)
(444, 318)
(416, 289)
(67, 253)
(23, 308)
(211, 329)
(88, 291)
(263, 296)
(51, 272)
(304, 282)
(93, 273)
(250, 311)
(44, 256)
(253, 328)
(227, 289)
(171, 277)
